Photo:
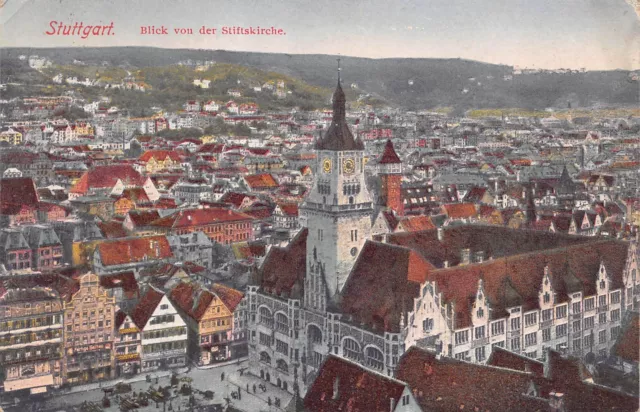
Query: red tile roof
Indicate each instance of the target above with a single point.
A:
(389, 154)
(160, 155)
(229, 296)
(460, 210)
(505, 359)
(131, 250)
(17, 192)
(199, 217)
(146, 306)
(417, 223)
(389, 276)
(106, 177)
(261, 181)
(358, 388)
(112, 229)
(289, 209)
(192, 299)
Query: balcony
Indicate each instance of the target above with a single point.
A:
(603, 308)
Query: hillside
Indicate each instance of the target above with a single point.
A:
(407, 83)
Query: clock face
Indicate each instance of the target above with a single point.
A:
(326, 165)
(349, 165)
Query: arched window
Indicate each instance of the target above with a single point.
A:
(350, 200)
(351, 349)
(375, 359)
(264, 357)
(282, 323)
(265, 317)
(282, 366)
(314, 334)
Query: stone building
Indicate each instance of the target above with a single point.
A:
(89, 318)
(30, 339)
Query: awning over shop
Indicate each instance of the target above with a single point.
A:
(26, 383)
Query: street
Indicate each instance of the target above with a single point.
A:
(201, 380)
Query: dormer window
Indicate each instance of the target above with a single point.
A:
(602, 284)
(547, 297)
(480, 313)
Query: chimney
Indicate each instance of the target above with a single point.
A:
(479, 256)
(440, 234)
(556, 402)
(446, 263)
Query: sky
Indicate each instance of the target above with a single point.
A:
(591, 34)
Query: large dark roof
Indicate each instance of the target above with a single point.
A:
(338, 136)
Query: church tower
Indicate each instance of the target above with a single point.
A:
(390, 172)
(338, 210)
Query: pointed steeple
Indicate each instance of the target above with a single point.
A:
(389, 154)
(339, 136)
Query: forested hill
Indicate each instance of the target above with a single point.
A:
(407, 83)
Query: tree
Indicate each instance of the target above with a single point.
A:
(241, 129)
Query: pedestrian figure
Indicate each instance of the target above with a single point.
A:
(247, 388)
(269, 401)
(254, 388)
(222, 376)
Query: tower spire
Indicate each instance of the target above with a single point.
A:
(339, 69)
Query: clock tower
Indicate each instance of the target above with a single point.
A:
(338, 210)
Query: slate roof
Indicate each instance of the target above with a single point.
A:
(17, 192)
(339, 137)
(389, 155)
(284, 269)
(358, 388)
(446, 384)
(382, 285)
(628, 342)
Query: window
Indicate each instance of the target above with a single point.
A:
(588, 341)
(498, 344)
(615, 297)
(602, 318)
(530, 319)
(405, 400)
(561, 330)
(264, 357)
(614, 332)
(615, 315)
(282, 323)
(480, 313)
(515, 344)
(589, 304)
(427, 324)
(497, 328)
(532, 355)
(577, 344)
(589, 322)
(375, 359)
(575, 326)
(164, 307)
(265, 317)
(480, 354)
(602, 301)
(265, 339)
(602, 336)
(546, 335)
(479, 332)
(547, 314)
(462, 337)
(462, 355)
(530, 339)
(515, 324)
(351, 349)
(561, 312)
(575, 308)
(282, 347)
(547, 297)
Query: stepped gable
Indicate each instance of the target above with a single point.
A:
(339, 136)
(343, 385)
(382, 285)
(572, 268)
(284, 269)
